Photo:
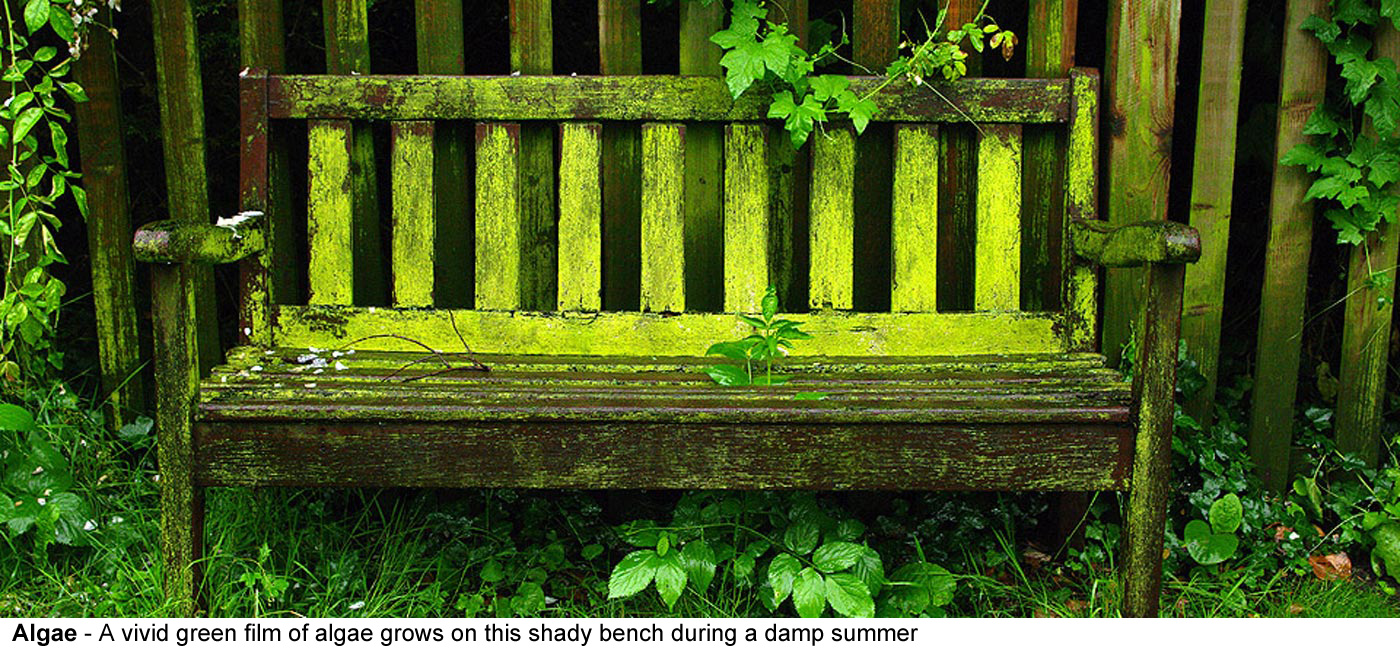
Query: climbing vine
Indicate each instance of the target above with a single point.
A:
(1355, 166)
(39, 48)
(760, 52)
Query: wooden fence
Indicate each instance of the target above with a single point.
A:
(1140, 61)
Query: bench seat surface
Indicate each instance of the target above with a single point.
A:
(299, 416)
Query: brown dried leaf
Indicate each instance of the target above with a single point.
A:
(1336, 566)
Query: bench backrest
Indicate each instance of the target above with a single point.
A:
(532, 255)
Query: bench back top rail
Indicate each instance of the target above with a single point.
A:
(536, 285)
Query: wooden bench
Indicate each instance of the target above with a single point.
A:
(538, 386)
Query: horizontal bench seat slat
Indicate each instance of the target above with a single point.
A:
(633, 334)
(654, 98)
(599, 455)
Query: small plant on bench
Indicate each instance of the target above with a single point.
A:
(774, 337)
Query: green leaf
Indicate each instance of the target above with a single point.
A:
(75, 91)
(36, 14)
(1304, 154)
(62, 24)
(1388, 548)
(26, 121)
(60, 143)
(770, 303)
(849, 596)
(1226, 514)
(742, 68)
(15, 418)
(811, 395)
(80, 197)
(742, 567)
(1208, 548)
(699, 561)
(802, 537)
(754, 322)
(837, 556)
(870, 569)
(640, 532)
(770, 380)
(633, 573)
(591, 551)
(726, 375)
(663, 544)
(809, 593)
(737, 350)
(492, 571)
(137, 432)
(1391, 9)
(782, 572)
(528, 600)
(670, 579)
(1325, 30)
(920, 587)
(829, 86)
(1326, 187)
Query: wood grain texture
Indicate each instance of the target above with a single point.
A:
(915, 219)
(1050, 43)
(957, 189)
(746, 221)
(998, 255)
(499, 239)
(109, 229)
(663, 217)
(330, 213)
(620, 53)
(630, 333)
(414, 219)
(1212, 192)
(262, 47)
(532, 53)
(1140, 80)
(875, 43)
(1080, 302)
(832, 232)
(181, 98)
(1283, 298)
(580, 216)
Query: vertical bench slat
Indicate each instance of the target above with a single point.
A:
(580, 217)
(998, 269)
(832, 233)
(746, 272)
(663, 217)
(531, 53)
(1081, 196)
(330, 216)
(704, 157)
(620, 53)
(914, 235)
(414, 219)
(498, 218)
(441, 50)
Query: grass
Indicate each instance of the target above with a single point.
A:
(425, 553)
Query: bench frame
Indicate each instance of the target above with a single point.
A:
(178, 247)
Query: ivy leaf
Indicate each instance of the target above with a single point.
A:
(1354, 11)
(699, 561)
(1360, 75)
(633, 573)
(828, 86)
(1391, 9)
(1325, 30)
(778, 50)
(1326, 187)
(742, 68)
(809, 593)
(837, 556)
(1348, 232)
(1322, 122)
(670, 579)
(860, 110)
(36, 13)
(849, 596)
(1304, 154)
(782, 572)
(1383, 106)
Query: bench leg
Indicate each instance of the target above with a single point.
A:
(177, 385)
(1154, 383)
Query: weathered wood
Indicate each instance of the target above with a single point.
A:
(832, 232)
(414, 220)
(875, 43)
(256, 279)
(177, 381)
(915, 219)
(1050, 41)
(1140, 79)
(1369, 310)
(580, 217)
(746, 232)
(630, 333)
(1154, 384)
(108, 223)
(500, 241)
(612, 456)
(789, 183)
(181, 99)
(1212, 192)
(1303, 84)
(957, 189)
(663, 217)
(620, 53)
(532, 53)
(1138, 244)
(441, 51)
(347, 53)
(267, 185)
(656, 98)
(704, 158)
(1080, 301)
(182, 242)
(998, 218)
(331, 231)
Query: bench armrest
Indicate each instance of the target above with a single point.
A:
(1148, 242)
(182, 242)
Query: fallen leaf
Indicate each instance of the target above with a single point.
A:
(1295, 609)
(1336, 566)
(1076, 606)
(1034, 558)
